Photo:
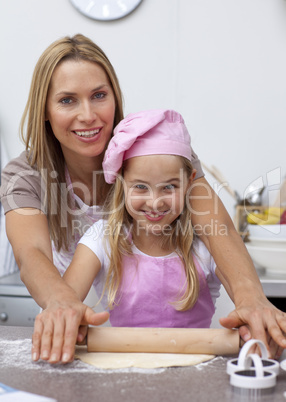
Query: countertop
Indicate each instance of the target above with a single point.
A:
(77, 382)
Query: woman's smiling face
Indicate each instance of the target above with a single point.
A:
(80, 108)
(155, 189)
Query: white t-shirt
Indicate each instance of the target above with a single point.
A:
(95, 238)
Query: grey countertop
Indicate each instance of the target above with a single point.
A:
(79, 382)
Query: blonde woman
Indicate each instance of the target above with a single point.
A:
(54, 191)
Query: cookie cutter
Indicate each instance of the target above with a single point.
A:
(234, 365)
(252, 379)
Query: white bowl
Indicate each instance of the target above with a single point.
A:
(270, 258)
(267, 231)
(278, 243)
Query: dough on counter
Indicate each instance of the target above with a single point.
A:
(140, 360)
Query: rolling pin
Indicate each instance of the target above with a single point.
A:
(163, 340)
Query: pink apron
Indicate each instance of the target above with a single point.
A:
(148, 286)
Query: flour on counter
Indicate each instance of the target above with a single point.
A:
(202, 365)
(18, 354)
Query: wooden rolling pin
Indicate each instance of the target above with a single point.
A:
(163, 340)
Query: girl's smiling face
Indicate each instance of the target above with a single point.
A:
(155, 189)
(80, 108)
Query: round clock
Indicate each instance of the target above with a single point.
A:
(105, 10)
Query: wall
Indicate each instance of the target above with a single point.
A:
(221, 63)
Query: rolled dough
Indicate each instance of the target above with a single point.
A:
(140, 360)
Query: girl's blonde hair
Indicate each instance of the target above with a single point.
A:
(180, 238)
(44, 150)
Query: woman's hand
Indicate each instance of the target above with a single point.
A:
(259, 320)
(59, 327)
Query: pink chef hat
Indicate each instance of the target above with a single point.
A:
(151, 132)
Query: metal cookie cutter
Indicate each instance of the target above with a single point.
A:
(252, 380)
(239, 363)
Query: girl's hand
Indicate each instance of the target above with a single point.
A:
(59, 327)
(262, 321)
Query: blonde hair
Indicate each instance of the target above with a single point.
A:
(119, 224)
(44, 150)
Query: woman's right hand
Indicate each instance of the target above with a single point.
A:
(59, 327)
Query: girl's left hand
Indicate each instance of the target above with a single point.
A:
(82, 333)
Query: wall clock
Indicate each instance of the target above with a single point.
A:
(105, 10)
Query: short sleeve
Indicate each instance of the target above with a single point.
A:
(93, 238)
(21, 186)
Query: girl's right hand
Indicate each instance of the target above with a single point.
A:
(59, 327)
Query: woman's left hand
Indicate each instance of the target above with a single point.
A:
(259, 320)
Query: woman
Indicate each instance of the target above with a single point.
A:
(52, 192)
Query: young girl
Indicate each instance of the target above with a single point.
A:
(144, 259)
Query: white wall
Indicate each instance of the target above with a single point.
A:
(221, 63)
